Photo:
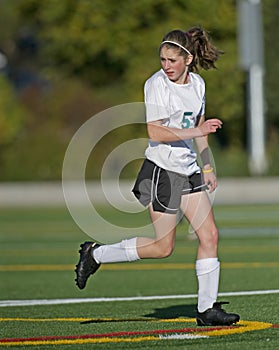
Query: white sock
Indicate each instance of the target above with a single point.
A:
(208, 271)
(125, 250)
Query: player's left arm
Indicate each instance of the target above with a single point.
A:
(207, 168)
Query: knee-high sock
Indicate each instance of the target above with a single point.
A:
(208, 271)
(125, 250)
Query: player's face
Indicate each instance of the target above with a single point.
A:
(174, 65)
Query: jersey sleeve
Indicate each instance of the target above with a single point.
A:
(202, 111)
(156, 99)
(202, 94)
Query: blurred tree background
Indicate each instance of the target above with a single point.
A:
(62, 61)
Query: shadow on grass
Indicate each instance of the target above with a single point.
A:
(169, 312)
(174, 311)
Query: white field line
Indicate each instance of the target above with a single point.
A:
(183, 336)
(7, 303)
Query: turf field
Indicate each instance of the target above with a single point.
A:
(144, 305)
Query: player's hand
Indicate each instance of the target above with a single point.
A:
(210, 126)
(210, 180)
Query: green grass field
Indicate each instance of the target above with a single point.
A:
(39, 250)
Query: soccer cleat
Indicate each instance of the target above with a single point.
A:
(216, 316)
(87, 265)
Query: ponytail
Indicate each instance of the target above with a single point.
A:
(204, 52)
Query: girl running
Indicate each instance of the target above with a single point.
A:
(170, 178)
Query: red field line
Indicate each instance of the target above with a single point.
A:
(115, 334)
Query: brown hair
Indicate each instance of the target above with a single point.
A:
(198, 42)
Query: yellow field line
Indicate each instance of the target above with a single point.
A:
(244, 326)
(82, 341)
(40, 267)
(235, 249)
(134, 267)
(178, 250)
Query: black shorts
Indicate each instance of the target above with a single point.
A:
(164, 188)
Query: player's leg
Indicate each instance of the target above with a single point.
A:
(92, 255)
(154, 187)
(162, 245)
(142, 247)
(198, 211)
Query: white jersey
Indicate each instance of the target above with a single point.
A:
(178, 106)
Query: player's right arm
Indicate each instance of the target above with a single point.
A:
(160, 133)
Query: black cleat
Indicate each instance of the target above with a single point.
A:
(87, 265)
(216, 316)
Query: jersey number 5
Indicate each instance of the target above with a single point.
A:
(185, 124)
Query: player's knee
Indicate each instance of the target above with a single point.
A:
(164, 250)
(214, 236)
(210, 237)
(167, 252)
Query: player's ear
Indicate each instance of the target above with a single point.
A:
(189, 60)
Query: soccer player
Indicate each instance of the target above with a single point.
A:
(170, 178)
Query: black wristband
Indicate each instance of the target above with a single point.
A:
(205, 158)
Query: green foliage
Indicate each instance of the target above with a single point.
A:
(12, 113)
(97, 53)
(104, 40)
(271, 13)
(39, 150)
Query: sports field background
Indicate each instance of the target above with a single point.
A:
(39, 248)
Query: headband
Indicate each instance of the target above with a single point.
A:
(174, 43)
